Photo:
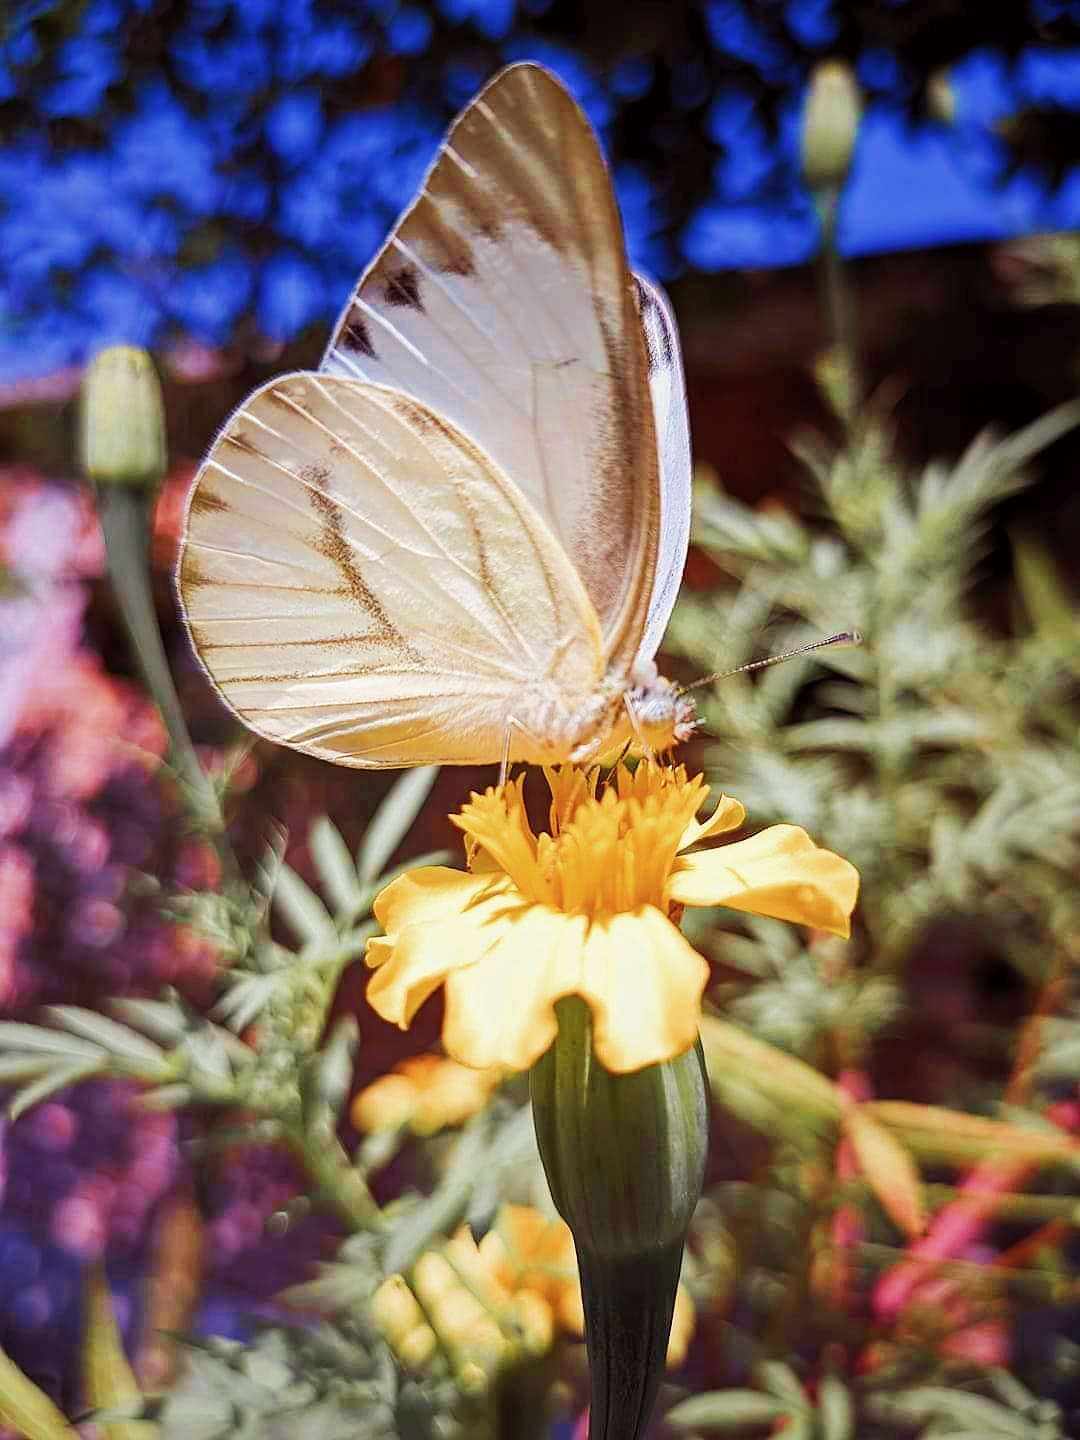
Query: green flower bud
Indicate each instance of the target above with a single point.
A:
(941, 98)
(625, 1159)
(122, 421)
(830, 125)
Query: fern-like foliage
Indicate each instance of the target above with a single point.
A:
(941, 758)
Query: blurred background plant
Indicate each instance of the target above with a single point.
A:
(353, 1234)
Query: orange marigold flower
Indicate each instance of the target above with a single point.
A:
(587, 910)
(528, 1251)
(425, 1094)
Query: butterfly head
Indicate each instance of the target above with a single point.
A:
(661, 714)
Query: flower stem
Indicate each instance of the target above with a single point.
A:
(125, 524)
(342, 1186)
(839, 305)
(628, 1309)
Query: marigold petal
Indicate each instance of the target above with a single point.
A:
(411, 964)
(429, 893)
(780, 873)
(501, 1010)
(498, 823)
(643, 981)
(728, 814)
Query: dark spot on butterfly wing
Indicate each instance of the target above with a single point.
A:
(403, 288)
(205, 502)
(354, 336)
(240, 440)
(192, 575)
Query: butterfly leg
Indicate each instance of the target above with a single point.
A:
(635, 725)
(514, 724)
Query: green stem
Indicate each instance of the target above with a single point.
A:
(628, 1309)
(341, 1185)
(839, 305)
(125, 523)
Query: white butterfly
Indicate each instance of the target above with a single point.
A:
(460, 541)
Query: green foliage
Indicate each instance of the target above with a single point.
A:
(941, 757)
(938, 756)
(287, 1081)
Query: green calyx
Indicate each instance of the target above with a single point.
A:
(625, 1159)
(624, 1154)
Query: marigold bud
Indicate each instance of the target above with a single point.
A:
(830, 125)
(122, 420)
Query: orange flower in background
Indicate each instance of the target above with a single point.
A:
(515, 1291)
(587, 910)
(425, 1094)
(528, 1251)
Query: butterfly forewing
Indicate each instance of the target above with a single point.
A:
(361, 582)
(504, 301)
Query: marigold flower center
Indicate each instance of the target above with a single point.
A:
(608, 853)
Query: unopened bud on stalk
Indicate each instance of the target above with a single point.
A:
(122, 422)
(625, 1160)
(830, 125)
(941, 98)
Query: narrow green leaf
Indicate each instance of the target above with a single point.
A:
(726, 1410)
(334, 864)
(1046, 600)
(14, 1035)
(301, 909)
(167, 1097)
(1010, 1391)
(392, 820)
(206, 1051)
(31, 1095)
(924, 1404)
(889, 1168)
(27, 1409)
(780, 1380)
(163, 1022)
(22, 1067)
(117, 1039)
(836, 1409)
(247, 997)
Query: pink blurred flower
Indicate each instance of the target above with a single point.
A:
(960, 1223)
(79, 1226)
(54, 1126)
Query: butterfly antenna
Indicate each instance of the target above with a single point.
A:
(846, 637)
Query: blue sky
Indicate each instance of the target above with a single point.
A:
(197, 215)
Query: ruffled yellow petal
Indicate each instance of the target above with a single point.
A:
(643, 981)
(410, 964)
(432, 892)
(501, 1009)
(728, 815)
(496, 821)
(780, 873)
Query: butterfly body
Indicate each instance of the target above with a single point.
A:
(459, 541)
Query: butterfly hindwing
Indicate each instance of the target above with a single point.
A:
(362, 583)
(504, 301)
(667, 386)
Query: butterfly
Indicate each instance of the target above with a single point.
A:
(460, 540)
